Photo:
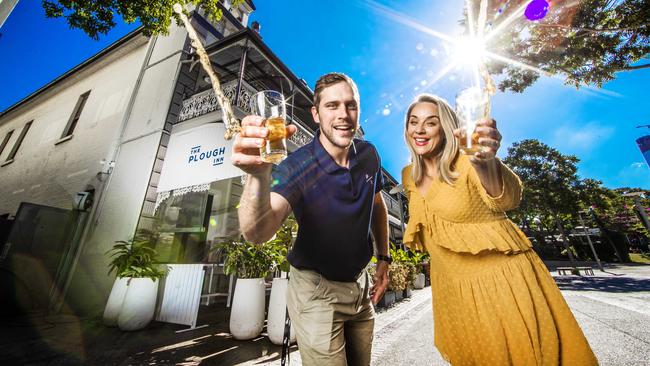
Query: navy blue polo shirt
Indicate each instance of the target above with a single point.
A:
(333, 207)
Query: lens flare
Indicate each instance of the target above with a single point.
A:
(536, 10)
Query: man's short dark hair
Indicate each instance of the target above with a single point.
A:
(331, 79)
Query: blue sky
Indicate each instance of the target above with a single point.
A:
(391, 63)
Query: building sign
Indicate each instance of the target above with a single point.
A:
(197, 156)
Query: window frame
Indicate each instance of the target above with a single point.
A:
(73, 121)
(19, 142)
(5, 141)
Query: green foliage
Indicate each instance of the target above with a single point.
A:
(404, 269)
(282, 241)
(640, 258)
(554, 193)
(398, 254)
(586, 42)
(96, 17)
(247, 260)
(417, 258)
(618, 213)
(134, 258)
(549, 178)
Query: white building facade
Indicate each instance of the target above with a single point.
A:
(104, 150)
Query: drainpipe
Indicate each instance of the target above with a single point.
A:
(242, 66)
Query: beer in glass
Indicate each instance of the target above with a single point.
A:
(471, 105)
(270, 105)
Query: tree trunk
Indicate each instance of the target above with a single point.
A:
(604, 233)
(565, 240)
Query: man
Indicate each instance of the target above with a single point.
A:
(333, 185)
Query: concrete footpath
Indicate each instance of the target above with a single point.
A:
(612, 307)
(41, 339)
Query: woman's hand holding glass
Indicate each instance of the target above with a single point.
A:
(488, 137)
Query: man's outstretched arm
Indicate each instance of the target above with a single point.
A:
(261, 212)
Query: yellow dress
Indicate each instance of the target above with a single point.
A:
(494, 301)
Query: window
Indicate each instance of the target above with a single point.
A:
(76, 113)
(19, 141)
(5, 141)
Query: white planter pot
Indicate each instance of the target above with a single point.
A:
(419, 281)
(278, 312)
(247, 312)
(139, 304)
(115, 300)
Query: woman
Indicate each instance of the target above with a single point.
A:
(494, 301)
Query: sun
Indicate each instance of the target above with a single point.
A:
(469, 50)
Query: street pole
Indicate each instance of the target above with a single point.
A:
(591, 245)
(636, 196)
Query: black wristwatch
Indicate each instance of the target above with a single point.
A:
(384, 258)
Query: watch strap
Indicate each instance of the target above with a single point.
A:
(385, 258)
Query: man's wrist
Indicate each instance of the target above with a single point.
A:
(262, 174)
(385, 258)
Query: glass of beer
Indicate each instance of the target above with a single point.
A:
(270, 105)
(471, 105)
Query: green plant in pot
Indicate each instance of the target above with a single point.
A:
(134, 259)
(403, 272)
(132, 301)
(246, 260)
(398, 279)
(417, 259)
(250, 263)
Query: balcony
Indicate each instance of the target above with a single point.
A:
(392, 204)
(206, 102)
(243, 60)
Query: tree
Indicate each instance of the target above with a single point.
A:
(592, 194)
(554, 194)
(96, 17)
(623, 216)
(549, 179)
(586, 42)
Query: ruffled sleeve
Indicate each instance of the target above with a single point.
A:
(497, 235)
(417, 220)
(510, 194)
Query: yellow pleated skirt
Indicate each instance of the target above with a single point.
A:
(497, 309)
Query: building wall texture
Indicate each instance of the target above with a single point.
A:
(113, 150)
(48, 173)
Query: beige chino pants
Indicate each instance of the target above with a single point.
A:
(333, 320)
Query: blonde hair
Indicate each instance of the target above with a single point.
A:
(448, 153)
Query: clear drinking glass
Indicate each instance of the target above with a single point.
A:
(471, 105)
(270, 105)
